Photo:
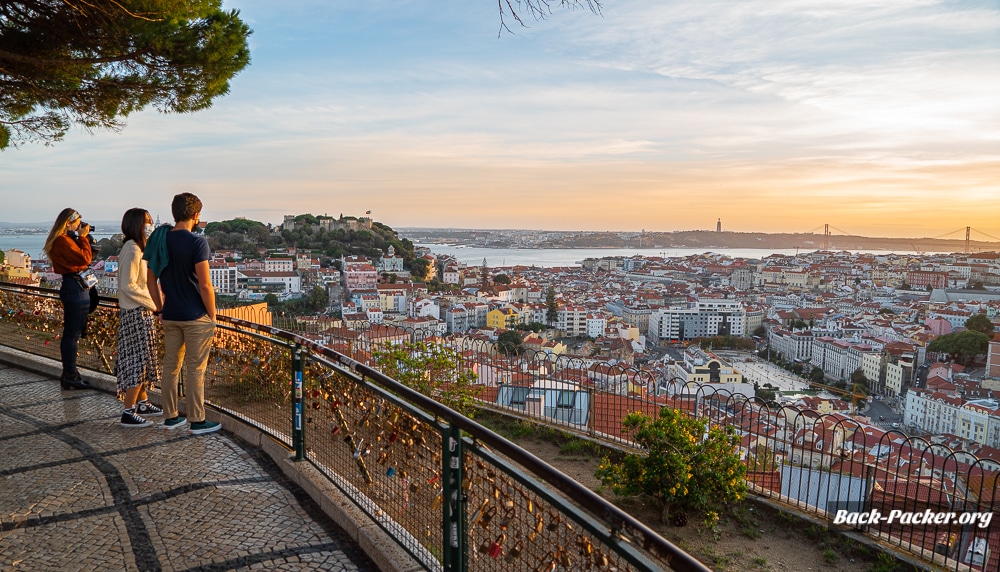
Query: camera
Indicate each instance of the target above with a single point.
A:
(87, 224)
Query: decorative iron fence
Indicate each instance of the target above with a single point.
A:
(451, 492)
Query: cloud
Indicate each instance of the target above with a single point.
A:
(660, 115)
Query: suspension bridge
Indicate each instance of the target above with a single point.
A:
(953, 235)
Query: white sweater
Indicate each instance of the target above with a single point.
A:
(132, 292)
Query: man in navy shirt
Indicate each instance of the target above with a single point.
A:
(187, 310)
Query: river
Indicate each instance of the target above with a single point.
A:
(495, 257)
(31, 244)
(549, 257)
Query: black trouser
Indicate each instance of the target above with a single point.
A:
(76, 306)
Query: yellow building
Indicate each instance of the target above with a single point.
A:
(505, 318)
(18, 275)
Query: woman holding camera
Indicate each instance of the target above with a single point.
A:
(68, 249)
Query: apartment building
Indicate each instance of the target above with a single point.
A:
(225, 277)
(637, 314)
(596, 324)
(502, 317)
(923, 279)
(272, 282)
(792, 345)
(358, 273)
(890, 369)
(706, 318)
(572, 320)
(279, 265)
(937, 412)
(838, 358)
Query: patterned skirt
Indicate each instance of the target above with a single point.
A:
(137, 363)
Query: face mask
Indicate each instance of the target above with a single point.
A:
(148, 230)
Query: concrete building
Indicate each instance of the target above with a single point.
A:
(225, 277)
(937, 412)
(572, 320)
(706, 318)
(279, 265)
(273, 282)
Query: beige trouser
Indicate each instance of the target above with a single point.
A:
(190, 343)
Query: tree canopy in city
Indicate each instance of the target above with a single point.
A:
(980, 323)
(233, 225)
(961, 346)
(510, 343)
(91, 64)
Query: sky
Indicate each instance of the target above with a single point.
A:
(877, 117)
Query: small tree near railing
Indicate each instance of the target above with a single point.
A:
(432, 369)
(688, 465)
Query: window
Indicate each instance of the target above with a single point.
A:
(566, 399)
(518, 395)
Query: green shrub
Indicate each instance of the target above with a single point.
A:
(687, 464)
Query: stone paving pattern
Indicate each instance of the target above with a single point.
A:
(80, 492)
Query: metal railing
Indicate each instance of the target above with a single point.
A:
(454, 494)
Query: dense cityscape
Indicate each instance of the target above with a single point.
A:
(880, 344)
(846, 321)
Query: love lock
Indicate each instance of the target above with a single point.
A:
(515, 552)
(496, 548)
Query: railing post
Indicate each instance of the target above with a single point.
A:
(454, 555)
(867, 502)
(591, 427)
(298, 427)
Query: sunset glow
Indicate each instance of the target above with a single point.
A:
(878, 118)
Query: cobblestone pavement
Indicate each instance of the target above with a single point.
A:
(80, 492)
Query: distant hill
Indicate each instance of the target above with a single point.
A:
(702, 239)
(102, 225)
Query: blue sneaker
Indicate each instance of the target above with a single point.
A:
(202, 427)
(174, 423)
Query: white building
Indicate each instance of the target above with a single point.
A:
(279, 265)
(936, 412)
(390, 262)
(706, 318)
(225, 277)
(596, 324)
(792, 345)
(572, 320)
(17, 258)
(273, 282)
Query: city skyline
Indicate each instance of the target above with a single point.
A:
(876, 118)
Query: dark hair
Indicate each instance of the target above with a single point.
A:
(134, 226)
(185, 206)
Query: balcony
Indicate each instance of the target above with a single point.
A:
(444, 491)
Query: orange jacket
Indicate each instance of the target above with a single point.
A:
(70, 254)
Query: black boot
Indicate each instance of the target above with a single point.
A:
(70, 382)
(80, 381)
